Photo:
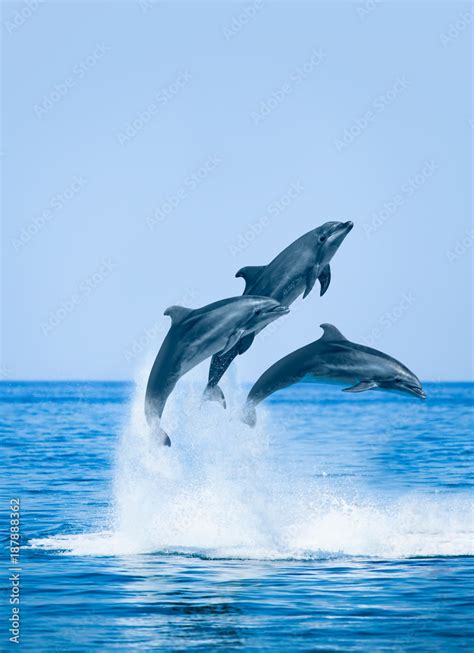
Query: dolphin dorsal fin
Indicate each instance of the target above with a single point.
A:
(177, 313)
(331, 333)
(250, 273)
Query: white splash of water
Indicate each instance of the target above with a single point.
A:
(216, 493)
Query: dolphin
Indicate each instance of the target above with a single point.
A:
(334, 359)
(195, 335)
(292, 272)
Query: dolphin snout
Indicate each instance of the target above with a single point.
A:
(419, 392)
(280, 310)
(416, 390)
(340, 230)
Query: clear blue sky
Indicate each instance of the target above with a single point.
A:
(150, 150)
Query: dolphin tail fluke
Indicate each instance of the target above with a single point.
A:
(249, 414)
(214, 393)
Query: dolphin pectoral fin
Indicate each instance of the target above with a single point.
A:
(233, 340)
(250, 274)
(214, 393)
(324, 279)
(361, 387)
(311, 277)
(245, 342)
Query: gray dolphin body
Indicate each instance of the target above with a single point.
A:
(293, 272)
(334, 359)
(195, 335)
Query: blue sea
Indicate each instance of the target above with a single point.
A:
(340, 523)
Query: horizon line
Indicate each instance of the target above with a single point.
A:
(82, 380)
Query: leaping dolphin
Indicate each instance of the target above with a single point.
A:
(292, 272)
(333, 359)
(195, 335)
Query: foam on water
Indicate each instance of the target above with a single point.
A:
(217, 493)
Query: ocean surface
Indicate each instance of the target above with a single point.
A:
(340, 523)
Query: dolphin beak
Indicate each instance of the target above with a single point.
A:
(342, 229)
(280, 310)
(415, 390)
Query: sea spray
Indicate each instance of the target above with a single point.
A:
(220, 492)
(205, 491)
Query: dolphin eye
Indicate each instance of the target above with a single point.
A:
(258, 311)
(322, 239)
(398, 380)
